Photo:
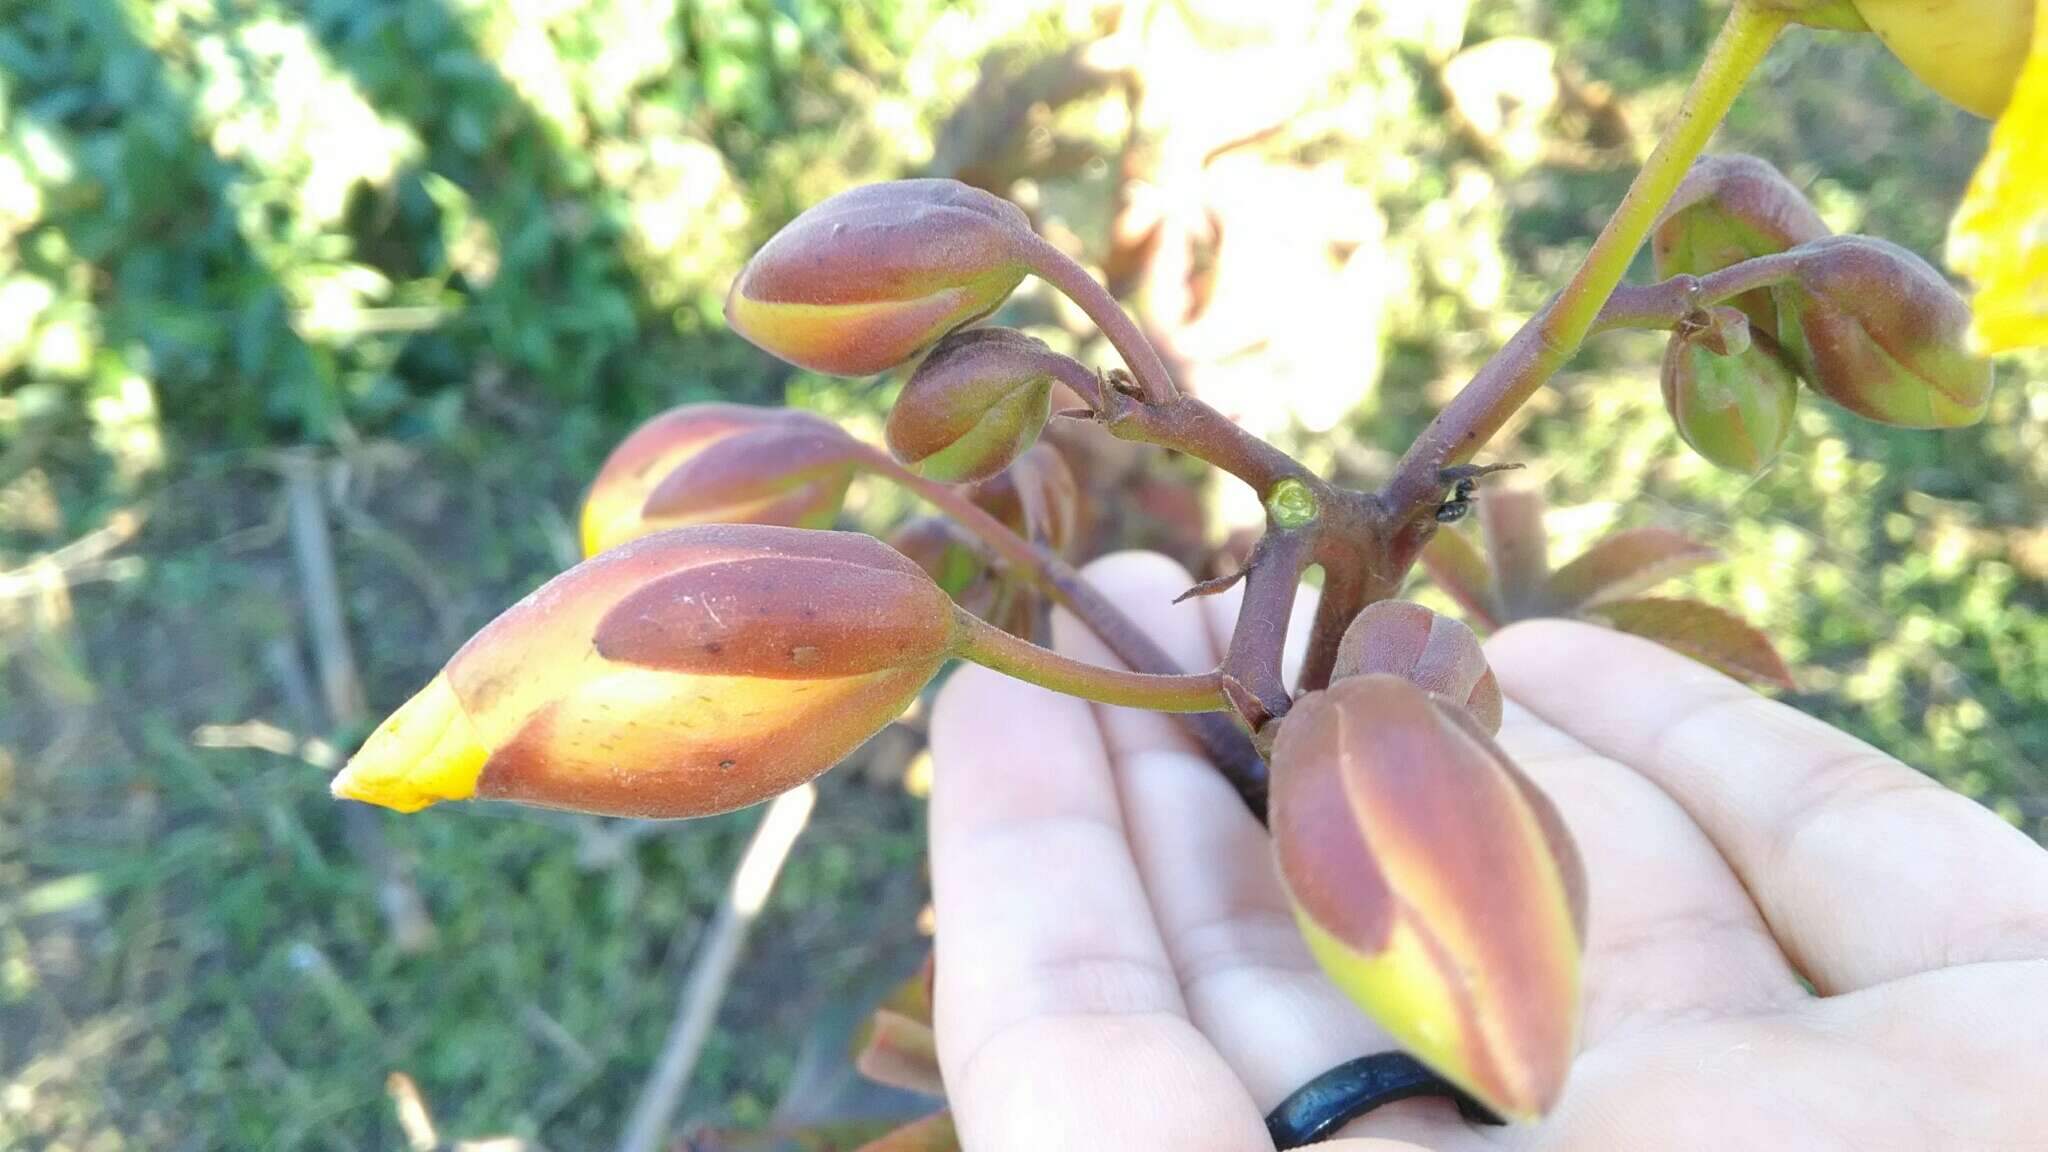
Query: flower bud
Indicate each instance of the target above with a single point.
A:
(795, 469)
(1037, 496)
(1735, 411)
(973, 405)
(944, 550)
(1435, 653)
(1875, 329)
(1435, 885)
(1970, 51)
(1729, 209)
(872, 276)
(614, 512)
(690, 672)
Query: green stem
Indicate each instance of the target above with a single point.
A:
(1745, 38)
(991, 647)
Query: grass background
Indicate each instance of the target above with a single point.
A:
(459, 247)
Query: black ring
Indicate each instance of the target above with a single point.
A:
(1320, 1107)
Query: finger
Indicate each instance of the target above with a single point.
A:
(1865, 870)
(1060, 1023)
(1248, 980)
(1670, 931)
(1943, 1059)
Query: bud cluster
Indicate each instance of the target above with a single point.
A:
(1864, 322)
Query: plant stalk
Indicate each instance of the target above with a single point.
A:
(1188, 424)
(991, 647)
(1059, 270)
(1665, 304)
(1553, 335)
(1259, 641)
(1222, 741)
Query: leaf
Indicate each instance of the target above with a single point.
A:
(1716, 638)
(1459, 569)
(1622, 565)
(1517, 548)
(900, 1052)
(897, 1047)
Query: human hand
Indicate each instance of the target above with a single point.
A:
(1118, 967)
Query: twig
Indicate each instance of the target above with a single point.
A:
(697, 1009)
(341, 689)
(413, 1118)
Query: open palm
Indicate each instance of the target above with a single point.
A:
(1119, 969)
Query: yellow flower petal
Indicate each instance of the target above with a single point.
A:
(1999, 237)
(428, 751)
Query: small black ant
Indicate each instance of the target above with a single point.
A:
(1464, 481)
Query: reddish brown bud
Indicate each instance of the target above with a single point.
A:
(690, 672)
(867, 279)
(1877, 330)
(1434, 884)
(1734, 410)
(795, 469)
(1435, 653)
(1727, 210)
(973, 405)
(615, 510)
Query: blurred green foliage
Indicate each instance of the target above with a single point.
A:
(462, 245)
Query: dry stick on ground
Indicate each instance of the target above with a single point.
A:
(342, 690)
(697, 1010)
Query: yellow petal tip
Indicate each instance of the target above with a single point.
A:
(428, 751)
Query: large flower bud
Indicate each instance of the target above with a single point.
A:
(1877, 330)
(1434, 884)
(687, 673)
(1433, 652)
(1970, 51)
(867, 279)
(973, 405)
(1735, 409)
(787, 485)
(1729, 209)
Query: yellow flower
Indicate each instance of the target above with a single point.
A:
(1999, 237)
